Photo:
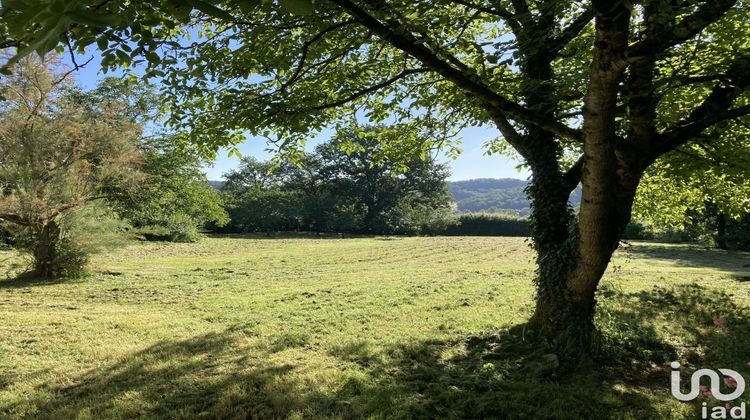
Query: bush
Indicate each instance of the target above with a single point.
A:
(488, 224)
(343, 218)
(71, 259)
(266, 211)
(82, 232)
(636, 231)
(178, 228)
(738, 233)
(6, 238)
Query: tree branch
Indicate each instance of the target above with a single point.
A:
(686, 29)
(305, 48)
(714, 109)
(14, 218)
(498, 11)
(463, 79)
(571, 31)
(511, 135)
(572, 177)
(368, 90)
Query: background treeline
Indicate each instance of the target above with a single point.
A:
(345, 186)
(664, 219)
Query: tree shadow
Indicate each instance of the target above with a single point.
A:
(495, 375)
(705, 327)
(695, 256)
(29, 279)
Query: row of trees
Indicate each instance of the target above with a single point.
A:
(346, 185)
(78, 172)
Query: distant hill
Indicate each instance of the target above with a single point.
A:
(487, 194)
(217, 184)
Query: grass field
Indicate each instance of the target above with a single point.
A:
(363, 327)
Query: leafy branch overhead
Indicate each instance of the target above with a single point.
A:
(420, 69)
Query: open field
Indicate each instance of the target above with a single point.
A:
(364, 327)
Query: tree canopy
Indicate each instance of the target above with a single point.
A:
(345, 186)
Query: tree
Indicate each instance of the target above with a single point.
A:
(57, 157)
(265, 196)
(174, 194)
(701, 188)
(347, 185)
(593, 80)
(356, 169)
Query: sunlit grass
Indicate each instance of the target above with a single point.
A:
(379, 327)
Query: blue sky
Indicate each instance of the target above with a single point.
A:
(472, 163)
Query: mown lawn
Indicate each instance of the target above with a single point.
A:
(363, 327)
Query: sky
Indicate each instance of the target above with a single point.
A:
(472, 162)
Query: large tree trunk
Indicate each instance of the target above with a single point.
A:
(570, 270)
(45, 250)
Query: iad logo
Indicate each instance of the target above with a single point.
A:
(732, 380)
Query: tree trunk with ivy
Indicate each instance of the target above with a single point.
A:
(573, 253)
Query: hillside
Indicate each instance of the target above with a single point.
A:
(487, 194)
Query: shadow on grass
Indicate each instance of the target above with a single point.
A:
(693, 256)
(490, 376)
(31, 280)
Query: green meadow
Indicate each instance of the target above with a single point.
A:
(384, 327)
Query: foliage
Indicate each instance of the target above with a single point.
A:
(701, 193)
(266, 211)
(347, 185)
(595, 104)
(57, 156)
(398, 194)
(687, 185)
(174, 196)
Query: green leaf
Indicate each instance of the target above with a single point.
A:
(102, 42)
(47, 41)
(211, 10)
(180, 10)
(152, 57)
(84, 17)
(123, 56)
(298, 7)
(247, 6)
